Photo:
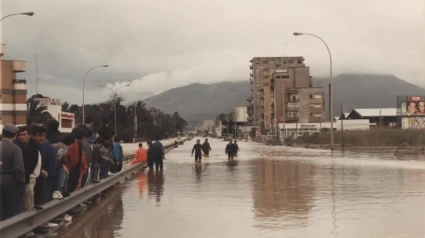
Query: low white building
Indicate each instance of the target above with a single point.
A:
(209, 125)
(54, 108)
(291, 129)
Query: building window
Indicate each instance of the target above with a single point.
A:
(66, 123)
(284, 62)
(299, 61)
(278, 65)
(291, 61)
(272, 62)
(311, 114)
(311, 96)
(265, 62)
(293, 98)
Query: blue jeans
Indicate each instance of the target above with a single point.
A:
(104, 169)
(61, 179)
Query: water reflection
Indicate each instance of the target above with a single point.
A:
(101, 221)
(156, 184)
(141, 182)
(283, 192)
(231, 165)
(199, 170)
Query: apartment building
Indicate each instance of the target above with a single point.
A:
(262, 68)
(13, 91)
(304, 105)
(272, 79)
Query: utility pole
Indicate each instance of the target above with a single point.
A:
(36, 75)
(342, 128)
(135, 122)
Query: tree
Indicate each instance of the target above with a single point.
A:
(151, 122)
(35, 112)
(65, 107)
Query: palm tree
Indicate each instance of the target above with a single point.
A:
(36, 112)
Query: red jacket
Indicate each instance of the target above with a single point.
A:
(73, 158)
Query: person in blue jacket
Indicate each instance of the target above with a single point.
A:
(118, 155)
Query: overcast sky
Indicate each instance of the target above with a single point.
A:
(155, 45)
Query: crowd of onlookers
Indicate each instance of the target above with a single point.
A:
(38, 163)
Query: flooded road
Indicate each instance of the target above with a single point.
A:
(266, 192)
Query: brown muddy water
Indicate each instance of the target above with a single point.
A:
(267, 192)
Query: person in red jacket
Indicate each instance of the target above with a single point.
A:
(76, 162)
(141, 155)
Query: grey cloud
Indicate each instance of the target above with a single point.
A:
(157, 45)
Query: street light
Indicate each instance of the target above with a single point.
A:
(84, 83)
(15, 14)
(331, 114)
(115, 102)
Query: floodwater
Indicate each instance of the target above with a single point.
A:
(266, 192)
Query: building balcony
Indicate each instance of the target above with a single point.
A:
(249, 100)
(250, 67)
(292, 119)
(19, 66)
(293, 105)
(251, 81)
(293, 101)
(251, 75)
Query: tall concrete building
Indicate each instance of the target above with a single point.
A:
(272, 78)
(13, 91)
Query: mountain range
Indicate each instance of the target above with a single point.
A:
(197, 102)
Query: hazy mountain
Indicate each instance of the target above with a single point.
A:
(366, 91)
(196, 102)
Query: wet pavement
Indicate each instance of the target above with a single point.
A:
(265, 192)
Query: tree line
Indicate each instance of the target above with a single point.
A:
(151, 122)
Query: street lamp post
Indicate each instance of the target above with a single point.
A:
(331, 117)
(115, 103)
(84, 83)
(20, 13)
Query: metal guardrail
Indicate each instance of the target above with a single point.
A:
(27, 221)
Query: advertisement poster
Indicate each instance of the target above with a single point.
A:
(415, 106)
(413, 123)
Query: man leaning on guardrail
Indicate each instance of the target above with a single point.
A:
(12, 174)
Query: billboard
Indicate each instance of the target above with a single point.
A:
(415, 105)
(413, 123)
